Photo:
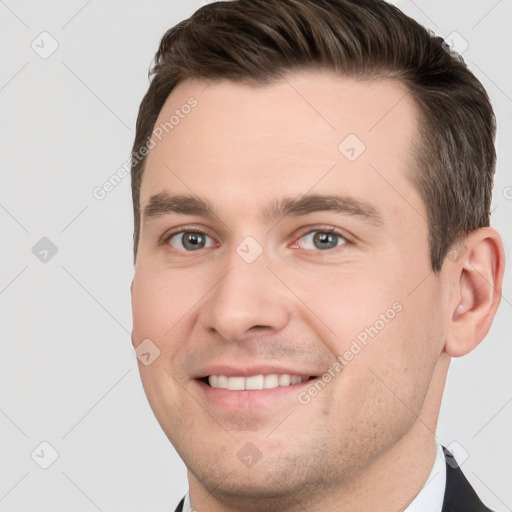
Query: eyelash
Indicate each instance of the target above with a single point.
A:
(327, 229)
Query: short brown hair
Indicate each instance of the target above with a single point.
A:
(260, 41)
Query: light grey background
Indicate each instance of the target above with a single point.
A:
(68, 374)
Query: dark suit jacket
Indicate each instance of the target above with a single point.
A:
(459, 496)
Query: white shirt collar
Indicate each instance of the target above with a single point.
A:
(429, 499)
(186, 504)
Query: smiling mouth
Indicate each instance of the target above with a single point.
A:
(255, 382)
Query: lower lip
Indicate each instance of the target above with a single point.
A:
(254, 398)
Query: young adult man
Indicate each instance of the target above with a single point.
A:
(311, 184)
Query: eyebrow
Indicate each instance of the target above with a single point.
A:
(162, 204)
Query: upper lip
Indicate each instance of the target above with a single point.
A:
(240, 370)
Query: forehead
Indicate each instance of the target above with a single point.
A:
(242, 144)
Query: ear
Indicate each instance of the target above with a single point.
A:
(476, 267)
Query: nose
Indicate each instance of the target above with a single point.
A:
(248, 297)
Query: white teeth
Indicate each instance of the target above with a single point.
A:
(284, 380)
(236, 383)
(254, 382)
(271, 381)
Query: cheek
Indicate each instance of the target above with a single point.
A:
(383, 385)
(161, 307)
(379, 328)
(397, 363)
(160, 302)
(348, 304)
(164, 306)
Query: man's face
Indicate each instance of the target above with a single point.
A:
(253, 291)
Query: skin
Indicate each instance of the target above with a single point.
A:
(299, 305)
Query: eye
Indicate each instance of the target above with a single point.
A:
(190, 241)
(322, 239)
(318, 239)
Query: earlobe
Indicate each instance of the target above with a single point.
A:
(476, 290)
